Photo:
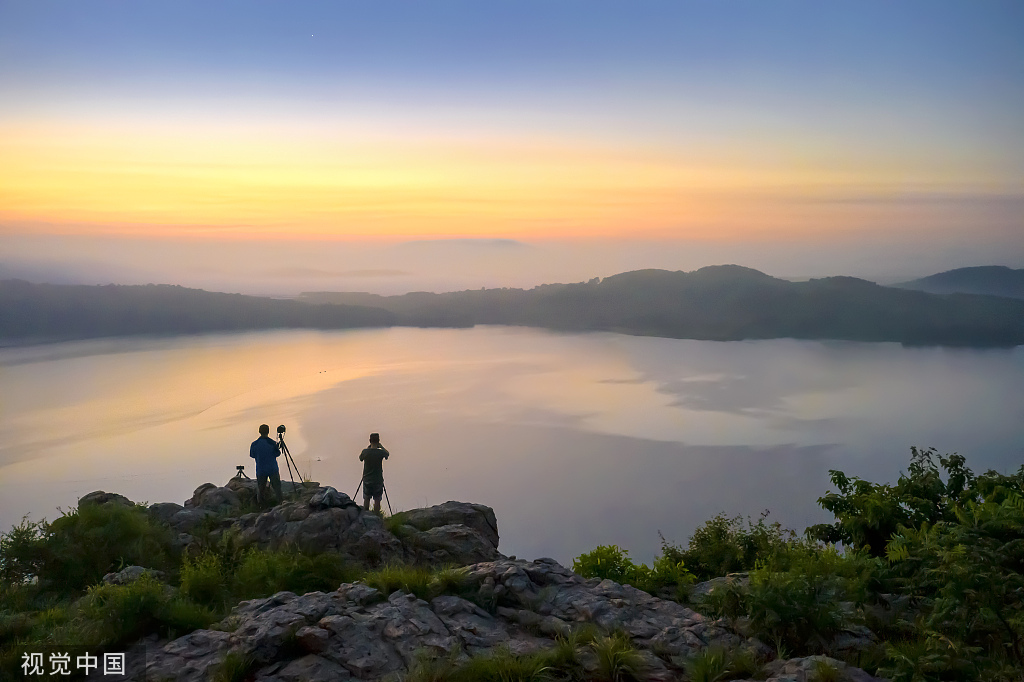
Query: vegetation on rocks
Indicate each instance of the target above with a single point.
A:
(927, 584)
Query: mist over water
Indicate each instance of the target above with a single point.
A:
(289, 267)
(574, 439)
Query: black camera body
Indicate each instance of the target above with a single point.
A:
(281, 429)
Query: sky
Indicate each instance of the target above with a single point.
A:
(277, 147)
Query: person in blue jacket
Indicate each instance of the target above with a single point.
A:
(265, 450)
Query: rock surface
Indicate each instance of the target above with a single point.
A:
(806, 669)
(358, 633)
(318, 518)
(130, 574)
(101, 497)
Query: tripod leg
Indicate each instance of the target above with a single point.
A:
(288, 455)
(389, 501)
(287, 458)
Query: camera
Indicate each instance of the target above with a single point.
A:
(281, 429)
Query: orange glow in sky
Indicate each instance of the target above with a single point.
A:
(316, 183)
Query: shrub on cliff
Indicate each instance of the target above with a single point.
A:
(869, 514)
(219, 581)
(726, 545)
(968, 575)
(83, 545)
(613, 563)
(79, 548)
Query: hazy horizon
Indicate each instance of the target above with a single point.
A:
(388, 147)
(283, 268)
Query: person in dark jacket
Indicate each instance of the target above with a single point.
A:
(373, 458)
(265, 450)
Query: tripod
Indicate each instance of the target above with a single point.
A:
(287, 458)
(356, 496)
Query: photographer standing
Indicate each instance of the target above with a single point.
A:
(265, 450)
(373, 458)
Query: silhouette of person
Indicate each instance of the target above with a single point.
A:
(373, 458)
(265, 450)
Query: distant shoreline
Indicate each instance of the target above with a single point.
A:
(718, 303)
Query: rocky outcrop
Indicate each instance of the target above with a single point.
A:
(475, 516)
(358, 633)
(318, 518)
(130, 574)
(100, 497)
(217, 500)
(807, 668)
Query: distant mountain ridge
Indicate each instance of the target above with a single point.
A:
(49, 312)
(990, 280)
(722, 303)
(725, 302)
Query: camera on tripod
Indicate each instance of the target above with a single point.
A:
(280, 430)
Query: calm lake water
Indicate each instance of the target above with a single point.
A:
(574, 439)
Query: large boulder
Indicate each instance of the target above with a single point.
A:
(245, 488)
(187, 520)
(451, 544)
(479, 517)
(100, 497)
(357, 535)
(163, 511)
(217, 500)
(458, 533)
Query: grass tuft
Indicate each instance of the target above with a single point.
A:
(236, 667)
(825, 671)
(413, 579)
(617, 660)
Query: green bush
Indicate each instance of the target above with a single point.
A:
(215, 580)
(869, 514)
(203, 579)
(612, 563)
(262, 573)
(116, 614)
(799, 609)
(726, 545)
(967, 574)
(605, 562)
(95, 539)
(23, 551)
(180, 616)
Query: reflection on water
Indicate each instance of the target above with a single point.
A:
(575, 440)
